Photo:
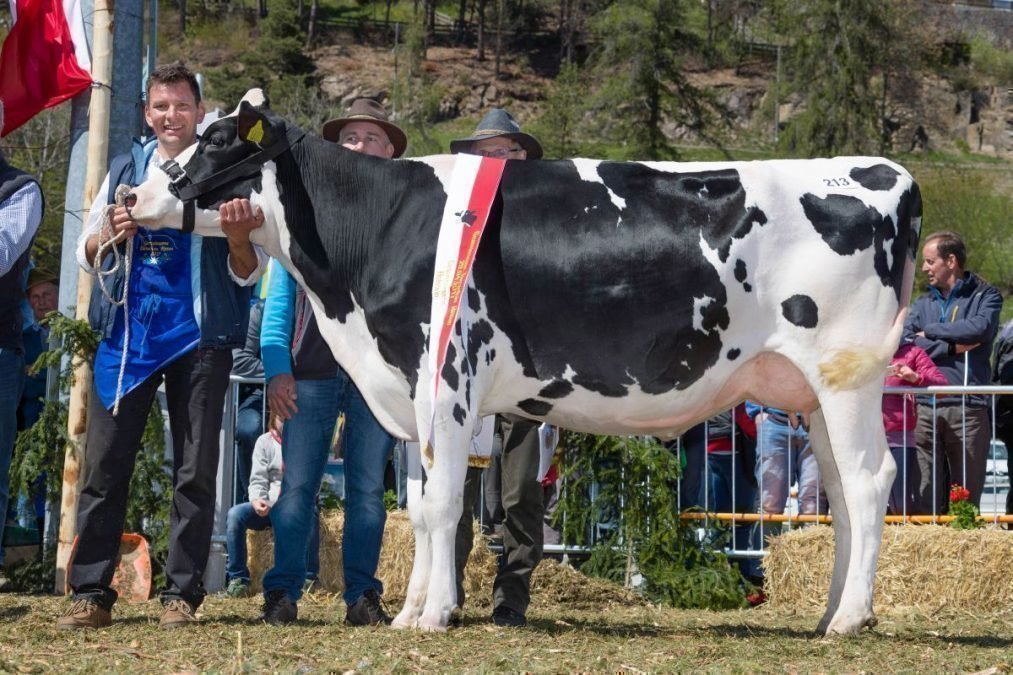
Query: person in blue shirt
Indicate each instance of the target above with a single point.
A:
(189, 300)
(308, 389)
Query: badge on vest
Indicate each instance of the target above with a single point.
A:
(156, 249)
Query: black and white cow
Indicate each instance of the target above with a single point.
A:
(608, 297)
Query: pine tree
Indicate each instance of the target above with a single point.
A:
(639, 62)
(840, 50)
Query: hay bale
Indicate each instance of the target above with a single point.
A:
(396, 557)
(929, 567)
(560, 584)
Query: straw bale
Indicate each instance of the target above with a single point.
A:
(929, 568)
(560, 584)
(396, 557)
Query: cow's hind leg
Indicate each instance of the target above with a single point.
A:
(415, 597)
(441, 508)
(850, 444)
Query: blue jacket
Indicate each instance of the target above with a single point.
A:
(223, 328)
(969, 315)
(287, 349)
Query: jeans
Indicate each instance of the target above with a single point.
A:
(12, 378)
(905, 485)
(742, 499)
(306, 442)
(249, 427)
(784, 456)
(241, 518)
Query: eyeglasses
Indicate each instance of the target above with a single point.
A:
(499, 153)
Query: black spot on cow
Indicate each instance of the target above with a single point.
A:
(741, 273)
(479, 334)
(535, 407)
(876, 177)
(556, 389)
(610, 294)
(733, 354)
(490, 356)
(801, 311)
(848, 225)
(459, 414)
(740, 270)
(474, 299)
(450, 375)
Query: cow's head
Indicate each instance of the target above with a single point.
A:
(233, 158)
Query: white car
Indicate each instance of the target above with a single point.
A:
(997, 467)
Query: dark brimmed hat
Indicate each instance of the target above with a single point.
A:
(367, 110)
(498, 122)
(38, 276)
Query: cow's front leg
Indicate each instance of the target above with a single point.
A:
(415, 597)
(850, 445)
(441, 506)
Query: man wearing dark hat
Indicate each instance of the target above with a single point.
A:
(307, 388)
(21, 207)
(513, 471)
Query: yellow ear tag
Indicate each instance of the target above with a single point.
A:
(256, 132)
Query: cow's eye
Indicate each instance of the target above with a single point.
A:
(217, 140)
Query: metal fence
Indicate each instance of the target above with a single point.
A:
(803, 503)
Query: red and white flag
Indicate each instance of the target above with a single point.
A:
(473, 186)
(44, 60)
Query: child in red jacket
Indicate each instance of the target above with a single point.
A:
(910, 366)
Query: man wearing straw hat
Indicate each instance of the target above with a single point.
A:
(513, 472)
(307, 388)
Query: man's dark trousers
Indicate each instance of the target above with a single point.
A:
(524, 511)
(195, 386)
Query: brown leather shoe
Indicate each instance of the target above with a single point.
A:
(84, 613)
(177, 613)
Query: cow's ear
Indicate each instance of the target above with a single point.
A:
(254, 126)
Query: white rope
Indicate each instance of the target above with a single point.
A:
(106, 245)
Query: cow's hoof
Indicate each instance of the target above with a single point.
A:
(433, 622)
(850, 624)
(404, 620)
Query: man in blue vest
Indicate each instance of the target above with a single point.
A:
(188, 306)
(21, 208)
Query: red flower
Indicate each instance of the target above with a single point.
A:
(958, 493)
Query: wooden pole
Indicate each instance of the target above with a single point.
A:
(77, 417)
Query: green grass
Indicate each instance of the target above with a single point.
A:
(558, 639)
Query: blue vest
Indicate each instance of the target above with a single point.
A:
(225, 326)
(175, 279)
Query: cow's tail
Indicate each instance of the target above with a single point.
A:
(852, 368)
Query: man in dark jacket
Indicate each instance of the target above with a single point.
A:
(20, 216)
(954, 321)
(188, 301)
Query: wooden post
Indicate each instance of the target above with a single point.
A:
(77, 417)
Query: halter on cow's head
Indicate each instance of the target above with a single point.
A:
(230, 160)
